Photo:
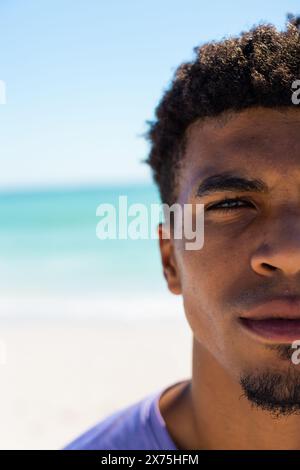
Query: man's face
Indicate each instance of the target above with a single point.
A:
(251, 252)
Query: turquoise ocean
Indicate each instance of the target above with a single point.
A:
(49, 250)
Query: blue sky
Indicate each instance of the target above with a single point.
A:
(83, 76)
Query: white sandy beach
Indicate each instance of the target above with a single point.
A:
(62, 376)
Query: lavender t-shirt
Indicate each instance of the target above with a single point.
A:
(139, 426)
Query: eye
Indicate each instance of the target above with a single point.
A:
(237, 203)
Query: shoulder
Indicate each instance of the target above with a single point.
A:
(127, 428)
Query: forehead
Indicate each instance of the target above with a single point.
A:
(255, 141)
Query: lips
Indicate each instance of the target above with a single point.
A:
(276, 320)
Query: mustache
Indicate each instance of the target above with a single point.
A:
(248, 298)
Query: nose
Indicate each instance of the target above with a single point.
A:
(280, 249)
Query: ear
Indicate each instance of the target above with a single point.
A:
(170, 268)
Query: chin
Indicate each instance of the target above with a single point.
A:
(273, 389)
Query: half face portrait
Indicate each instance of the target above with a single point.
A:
(245, 168)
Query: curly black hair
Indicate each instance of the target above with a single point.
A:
(256, 68)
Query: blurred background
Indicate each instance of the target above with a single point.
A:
(86, 325)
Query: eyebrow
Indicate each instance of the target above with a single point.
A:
(230, 182)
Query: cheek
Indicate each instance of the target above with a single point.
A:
(209, 323)
(208, 277)
(202, 286)
(203, 276)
